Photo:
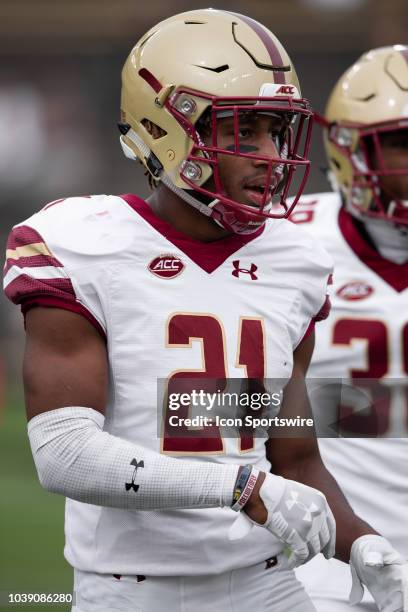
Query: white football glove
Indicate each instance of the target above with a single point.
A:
(375, 563)
(298, 515)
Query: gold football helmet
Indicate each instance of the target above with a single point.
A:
(192, 70)
(368, 104)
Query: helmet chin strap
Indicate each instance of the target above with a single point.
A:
(184, 194)
(164, 178)
(187, 197)
(214, 209)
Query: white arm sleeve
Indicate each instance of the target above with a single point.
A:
(76, 458)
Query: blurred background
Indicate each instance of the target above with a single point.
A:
(59, 103)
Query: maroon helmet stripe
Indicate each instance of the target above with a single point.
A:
(276, 58)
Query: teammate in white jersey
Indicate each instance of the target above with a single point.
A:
(207, 279)
(364, 226)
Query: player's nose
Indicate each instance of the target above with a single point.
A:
(266, 149)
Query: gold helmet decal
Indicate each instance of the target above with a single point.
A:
(368, 104)
(186, 74)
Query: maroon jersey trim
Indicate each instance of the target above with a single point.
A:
(47, 301)
(25, 286)
(309, 330)
(23, 235)
(208, 255)
(324, 310)
(48, 292)
(392, 273)
(34, 261)
(321, 315)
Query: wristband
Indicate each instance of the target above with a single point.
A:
(244, 486)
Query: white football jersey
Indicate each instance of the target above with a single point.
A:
(169, 306)
(365, 337)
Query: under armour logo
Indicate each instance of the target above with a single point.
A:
(132, 485)
(290, 503)
(237, 270)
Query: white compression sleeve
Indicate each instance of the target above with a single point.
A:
(76, 458)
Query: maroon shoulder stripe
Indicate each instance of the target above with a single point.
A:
(25, 286)
(23, 235)
(273, 51)
(35, 261)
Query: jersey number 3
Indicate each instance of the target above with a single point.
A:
(376, 421)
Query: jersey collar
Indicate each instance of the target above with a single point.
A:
(208, 255)
(392, 273)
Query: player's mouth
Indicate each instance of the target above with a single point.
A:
(255, 191)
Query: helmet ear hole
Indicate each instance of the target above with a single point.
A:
(153, 129)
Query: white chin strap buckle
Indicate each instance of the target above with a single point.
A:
(127, 150)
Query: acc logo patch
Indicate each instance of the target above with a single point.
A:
(166, 266)
(272, 89)
(355, 290)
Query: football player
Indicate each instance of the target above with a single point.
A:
(207, 279)
(364, 226)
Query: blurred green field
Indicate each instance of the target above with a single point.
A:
(31, 520)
